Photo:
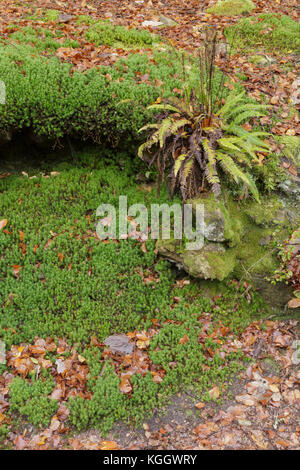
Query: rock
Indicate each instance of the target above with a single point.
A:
(236, 238)
(262, 60)
(119, 344)
(295, 96)
(2, 353)
(290, 188)
(5, 137)
(167, 21)
(152, 23)
(217, 225)
(65, 18)
(210, 262)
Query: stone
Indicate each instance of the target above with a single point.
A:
(210, 262)
(167, 21)
(119, 344)
(65, 18)
(237, 238)
(5, 137)
(152, 23)
(262, 60)
(295, 96)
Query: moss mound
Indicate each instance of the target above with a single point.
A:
(272, 32)
(232, 7)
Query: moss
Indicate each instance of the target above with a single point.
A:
(222, 265)
(267, 214)
(271, 32)
(232, 7)
(50, 15)
(254, 258)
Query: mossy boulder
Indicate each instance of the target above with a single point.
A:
(239, 238)
(232, 7)
(212, 261)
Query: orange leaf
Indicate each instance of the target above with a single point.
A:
(184, 339)
(108, 445)
(3, 223)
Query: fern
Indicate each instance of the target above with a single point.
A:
(233, 170)
(193, 142)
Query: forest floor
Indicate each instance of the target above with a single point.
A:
(262, 408)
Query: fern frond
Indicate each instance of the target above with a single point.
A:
(178, 162)
(247, 115)
(252, 137)
(164, 129)
(231, 101)
(178, 124)
(238, 175)
(148, 126)
(148, 144)
(229, 143)
(187, 168)
(246, 107)
(291, 148)
(164, 107)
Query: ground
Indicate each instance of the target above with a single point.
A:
(259, 409)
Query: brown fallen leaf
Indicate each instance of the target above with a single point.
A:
(214, 392)
(294, 303)
(125, 386)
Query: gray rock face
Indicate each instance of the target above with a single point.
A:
(214, 225)
(119, 344)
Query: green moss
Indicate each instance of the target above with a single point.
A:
(223, 265)
(32, 401)
(41, 39)
(50, 15)
(273, 32)
(105, 104)
(104, 32)
(231, 7)
(269, 213)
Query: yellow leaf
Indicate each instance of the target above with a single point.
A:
(108, 445)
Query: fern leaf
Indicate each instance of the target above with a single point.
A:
(148, 126)
(164, 129)
(148, 144)
(178, 163)
(164, 107)
(229, 143)
(231, 102)
(230, 167)
(247, 115)
(188, 168)
(247, 107)
(177, 125)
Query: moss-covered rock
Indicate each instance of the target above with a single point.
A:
(212, 261)
(232, 7)
(239, 238)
